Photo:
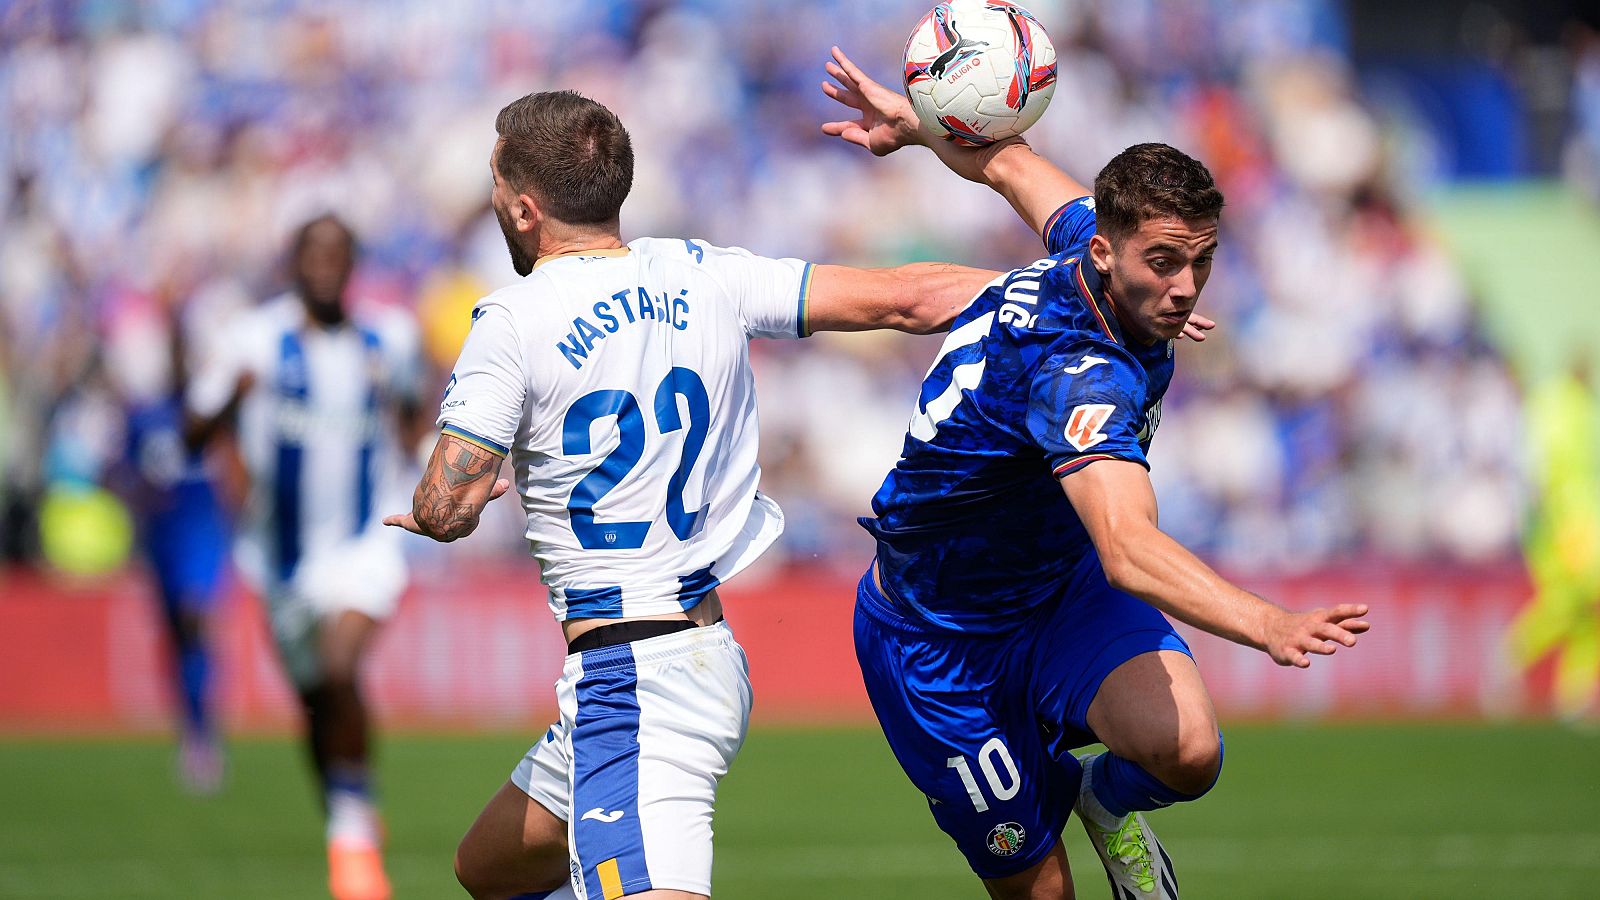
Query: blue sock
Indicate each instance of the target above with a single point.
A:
(347, 779)
(194, 678)
(1123, 787)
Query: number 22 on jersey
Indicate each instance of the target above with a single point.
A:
(620, 462)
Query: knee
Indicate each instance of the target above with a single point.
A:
(339, 675)
(475, 878)
(467, 875)
(1187, 762)
(484, 877)
(1196, 762)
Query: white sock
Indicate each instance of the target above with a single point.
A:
(352, 818)
(1089, 805)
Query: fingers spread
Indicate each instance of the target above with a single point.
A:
(1331, 632)
(849, 131)
(1321, 648)
(1346, 611)
(850, 68)
(843, 77)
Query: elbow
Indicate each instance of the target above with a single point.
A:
(1121, 571)
(923, 315)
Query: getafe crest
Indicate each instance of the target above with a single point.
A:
(1006, 839)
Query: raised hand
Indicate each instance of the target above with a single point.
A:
(1290, 636)
(887, 120)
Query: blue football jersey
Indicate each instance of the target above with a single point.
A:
(1034, 382)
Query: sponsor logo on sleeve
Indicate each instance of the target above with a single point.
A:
(1085, 364)
(1083, 426)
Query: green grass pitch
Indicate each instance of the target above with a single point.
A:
(1314, 812)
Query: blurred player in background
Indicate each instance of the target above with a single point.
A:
(617, 378)
(1009, 619)
(1563, 542)
(182, 532)
(324, 403)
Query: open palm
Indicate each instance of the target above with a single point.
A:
(887, 121)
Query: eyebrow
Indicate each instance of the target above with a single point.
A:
(1177, 250)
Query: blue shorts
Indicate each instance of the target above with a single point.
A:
(985, 725)
(187, 545)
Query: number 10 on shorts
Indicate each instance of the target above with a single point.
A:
(992, 751)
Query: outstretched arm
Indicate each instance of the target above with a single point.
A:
(920, 298)
(1117, 505)
(459, 483)
(1034, 186)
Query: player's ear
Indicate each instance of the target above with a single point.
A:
(525, 213)
(1100, 253)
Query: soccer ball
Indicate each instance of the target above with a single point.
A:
(978, 71)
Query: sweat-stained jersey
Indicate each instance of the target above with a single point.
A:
(619, 384)
(1034, 382)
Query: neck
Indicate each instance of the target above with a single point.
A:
(327, 316)
(556, 238)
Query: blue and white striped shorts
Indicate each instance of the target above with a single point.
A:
(647, 731)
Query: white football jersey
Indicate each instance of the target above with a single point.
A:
(619, 384)
(317, 432)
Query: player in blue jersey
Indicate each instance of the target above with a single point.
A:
(183, 534)
(1014, 611)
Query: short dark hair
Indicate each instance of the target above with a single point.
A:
(1150, 181)
(569, 152)
(302, 235)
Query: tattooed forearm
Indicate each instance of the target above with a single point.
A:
(466, 462)
(440, 515)
(444, 506)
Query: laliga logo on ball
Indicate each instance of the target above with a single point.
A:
(979, 71)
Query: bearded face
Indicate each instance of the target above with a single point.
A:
(521, 261)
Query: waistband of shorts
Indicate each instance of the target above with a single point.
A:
(654, 649)
(875, 603)
(626, 633)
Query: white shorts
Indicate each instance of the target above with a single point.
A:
(647, 731)
(366, 574)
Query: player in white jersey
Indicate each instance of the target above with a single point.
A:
(616, 378)
(318, 398)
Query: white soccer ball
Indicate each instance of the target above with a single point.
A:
(978, 71)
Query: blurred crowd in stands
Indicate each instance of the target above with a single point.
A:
(155, 156)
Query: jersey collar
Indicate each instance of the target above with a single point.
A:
(611, 251)
(1092, 285)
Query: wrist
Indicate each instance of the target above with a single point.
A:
(1259, 629)
(1005, 160)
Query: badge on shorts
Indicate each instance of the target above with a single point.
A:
(1006, 839)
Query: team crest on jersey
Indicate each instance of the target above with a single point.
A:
(1083, 426)
(1006, 839)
